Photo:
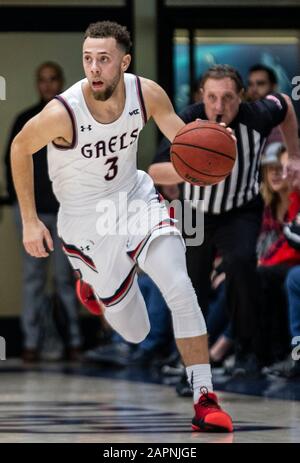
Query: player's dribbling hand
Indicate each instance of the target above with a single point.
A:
(229, 130)
(37, 239)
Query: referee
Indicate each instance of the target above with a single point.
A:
(233, 208)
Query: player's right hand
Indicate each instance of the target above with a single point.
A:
(37, 239)
(229, 130)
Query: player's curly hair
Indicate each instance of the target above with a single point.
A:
(104, 29)
(220, 71)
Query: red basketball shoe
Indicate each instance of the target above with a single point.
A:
(87, 298)
(209, 416)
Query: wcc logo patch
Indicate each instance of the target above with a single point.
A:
(134, 112)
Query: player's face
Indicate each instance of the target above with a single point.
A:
(274, 174)
(221, 99)
(49, 84)
(104, 63)
(259, 85)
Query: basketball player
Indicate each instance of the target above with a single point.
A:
(91, 131)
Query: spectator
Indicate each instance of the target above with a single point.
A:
(276, 256)
(290, 366)
(262, 81)
(218, 326)
(196, 91)
(49, 82)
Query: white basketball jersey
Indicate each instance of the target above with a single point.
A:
(101, 161)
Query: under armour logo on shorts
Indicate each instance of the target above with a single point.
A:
(86, 246)
(83, 128)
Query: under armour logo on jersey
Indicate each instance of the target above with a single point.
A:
(134, 112)
(82, 128)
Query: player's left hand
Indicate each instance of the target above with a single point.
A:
(292, 173)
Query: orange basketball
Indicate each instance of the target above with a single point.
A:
(203, 153)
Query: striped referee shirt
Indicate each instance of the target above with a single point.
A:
(251, 127)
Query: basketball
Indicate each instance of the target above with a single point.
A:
(203, 153)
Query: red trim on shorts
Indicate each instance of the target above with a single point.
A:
(72, 251)
(137, 251)
(122, 291)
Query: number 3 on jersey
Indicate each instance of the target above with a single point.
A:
(113, 170)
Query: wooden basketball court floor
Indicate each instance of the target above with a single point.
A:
(61, 403)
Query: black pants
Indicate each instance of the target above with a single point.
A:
(273, 318)
(233, 235)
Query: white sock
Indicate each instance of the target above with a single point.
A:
(199, 376)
